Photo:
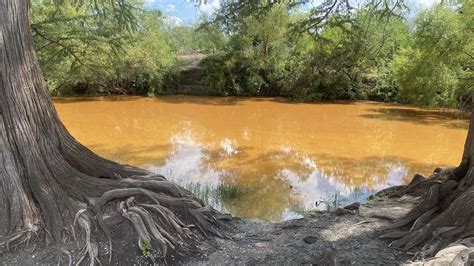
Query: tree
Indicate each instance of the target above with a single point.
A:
(332, 51)
(80, 53)
(432, 71)
(51, 184)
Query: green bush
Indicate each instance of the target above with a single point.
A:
(364, 54)
(101, 57)
(434, 71)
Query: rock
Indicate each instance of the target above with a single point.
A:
(223, 217)
(341, 211)
(455, 254)
(437, 170)
(328, 257)
(386, 192)
(310, 239)
(354, 206)
(260, 244)
(417, 179)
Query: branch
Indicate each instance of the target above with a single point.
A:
(65, 47)
(470, 55)
(325, 15)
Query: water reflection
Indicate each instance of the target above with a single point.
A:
(290, 184)
(266, 158)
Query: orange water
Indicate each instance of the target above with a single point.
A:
(282, 156)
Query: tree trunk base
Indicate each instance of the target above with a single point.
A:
(166, 219)
(444, 215)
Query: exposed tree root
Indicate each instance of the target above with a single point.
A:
(54, 190)
(445, 213)
(166, 219)
(69, 256)
(430, 201)
(73, 206)
(162, 222)
(16, 239)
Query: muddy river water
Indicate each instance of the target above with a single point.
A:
(268, 158)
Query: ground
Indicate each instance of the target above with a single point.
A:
(350, 238)
(344, 237)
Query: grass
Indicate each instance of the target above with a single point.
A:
(216, 195)
(230, 191)
(374, 198)
(220, 194)
(146, 249)
(332, 201)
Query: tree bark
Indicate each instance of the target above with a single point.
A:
(467, 161)
(50, 182)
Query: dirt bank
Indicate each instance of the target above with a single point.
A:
(323, 238)
(346, 237)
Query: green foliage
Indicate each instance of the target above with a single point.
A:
(366, 54)
(262, 48)
(230, 191)
(435, 70)
(206, 38)
(342, 60)
(383, 87)
(231, 74)
(147, 58)
(82, 52)
(145, 248)
(215, 195)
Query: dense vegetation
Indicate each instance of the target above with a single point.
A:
(81, 52)
(279, 51)
(371, 55)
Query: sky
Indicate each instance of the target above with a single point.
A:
(183, 11)
(187, 12)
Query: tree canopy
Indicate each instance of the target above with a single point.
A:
(375, 51)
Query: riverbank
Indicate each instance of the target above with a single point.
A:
(277, 170)
(344, 237)
(232, 99)
(348, 236)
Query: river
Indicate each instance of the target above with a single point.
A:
(268, 159)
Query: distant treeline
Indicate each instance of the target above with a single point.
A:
(281, 50)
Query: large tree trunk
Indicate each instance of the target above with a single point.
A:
(467, 162)
(49, 182)
(446, 212)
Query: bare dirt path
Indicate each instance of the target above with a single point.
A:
(323, 239)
